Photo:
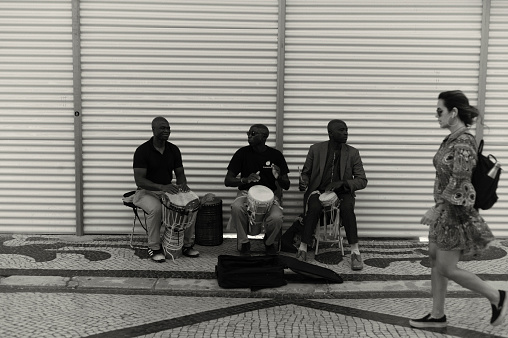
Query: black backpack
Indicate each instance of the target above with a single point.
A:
(484, 185)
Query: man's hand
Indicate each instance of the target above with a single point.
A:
(253, 177)
(334, 186)
(275, 171)
(303, 183)
(171, 189)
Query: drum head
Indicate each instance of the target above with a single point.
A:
(261, 193)
(185, 200)
(328, 197)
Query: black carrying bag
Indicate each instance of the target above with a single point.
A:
(484, 185)
(254, 272)
(309, 270)
(292, 237)
(258, 272)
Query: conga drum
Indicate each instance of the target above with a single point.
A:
(178, 213)
(209, 224)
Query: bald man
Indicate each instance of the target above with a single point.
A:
(154, 163)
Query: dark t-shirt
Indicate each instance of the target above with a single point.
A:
(159, 167)
(246, 161)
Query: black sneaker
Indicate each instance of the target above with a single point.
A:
(245, 249)
(157, 255)
(428, 322)
(271, 250)
(499, 311)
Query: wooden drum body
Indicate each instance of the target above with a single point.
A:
(178, 214)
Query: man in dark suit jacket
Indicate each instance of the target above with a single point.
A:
(332, 166)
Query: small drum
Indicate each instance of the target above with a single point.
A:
(330, 203)
(260, 200)
(178, 213)
(329, 200)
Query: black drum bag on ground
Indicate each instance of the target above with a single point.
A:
(255, 272)
(258, 272)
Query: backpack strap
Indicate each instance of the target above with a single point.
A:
(480, 147)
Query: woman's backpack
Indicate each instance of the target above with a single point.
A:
(485, 180)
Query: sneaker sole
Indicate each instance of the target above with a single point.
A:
(158, 260)
(421, 325)
(191, 256)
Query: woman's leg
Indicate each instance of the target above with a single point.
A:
(446, 265)
(439, 285)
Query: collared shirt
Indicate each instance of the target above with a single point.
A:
(159, 167)
(332, 166)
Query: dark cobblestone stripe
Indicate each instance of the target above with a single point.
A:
(164, 325)
(390, 319)
(196, 318)
(386, 252)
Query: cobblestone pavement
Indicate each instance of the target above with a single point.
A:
(97, 286)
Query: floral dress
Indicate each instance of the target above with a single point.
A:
(459, 226)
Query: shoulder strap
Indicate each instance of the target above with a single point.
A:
(480, 147)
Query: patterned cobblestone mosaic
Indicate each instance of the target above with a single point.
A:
(82, 296)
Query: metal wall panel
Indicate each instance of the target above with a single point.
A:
(208, 66)
(379, 66)
(37, 192)
(496, 117)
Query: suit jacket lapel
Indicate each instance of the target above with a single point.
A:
(322, 158)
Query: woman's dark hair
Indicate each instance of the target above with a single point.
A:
(457, 99)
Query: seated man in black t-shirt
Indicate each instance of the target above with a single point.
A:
(256, 164)
(154, 163)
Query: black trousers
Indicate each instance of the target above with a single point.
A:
(347, 213)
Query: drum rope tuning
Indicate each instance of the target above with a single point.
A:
(259, 202)
(179, 212)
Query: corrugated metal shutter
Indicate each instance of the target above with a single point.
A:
(37, 192)
(496, 117)
(378, 65)
(209, 67)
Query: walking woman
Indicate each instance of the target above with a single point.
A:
(456, 228)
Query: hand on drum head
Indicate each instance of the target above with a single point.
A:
(171, 188)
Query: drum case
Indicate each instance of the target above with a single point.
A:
(258, 272)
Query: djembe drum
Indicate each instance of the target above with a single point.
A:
(331, 218)
(178, 213)
(259, 202)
